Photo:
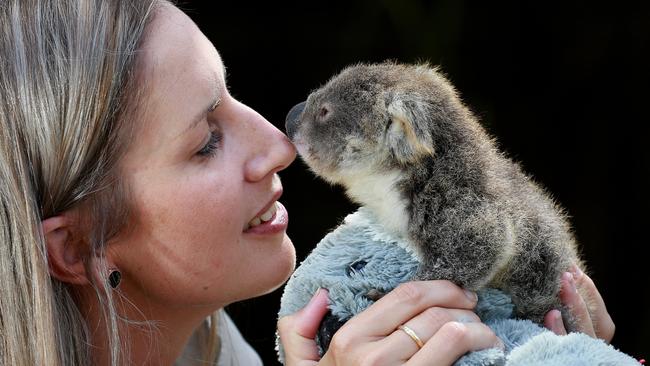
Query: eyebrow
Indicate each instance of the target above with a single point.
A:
(198, 118)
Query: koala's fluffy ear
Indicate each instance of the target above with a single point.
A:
(408, 136)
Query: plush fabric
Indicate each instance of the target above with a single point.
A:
(359, 256)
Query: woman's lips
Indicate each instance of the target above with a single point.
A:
(277, 223)
(264, 216)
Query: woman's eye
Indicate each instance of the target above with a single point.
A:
(215, 105)
(213, 144)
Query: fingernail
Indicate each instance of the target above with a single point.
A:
(576, 272)
(471, 295)
(569, 278)
(559, 324)
(499, 344)
(315, 295)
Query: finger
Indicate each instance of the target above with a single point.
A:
(305, 322)
(297, 331)
(602, 322)
(453, 340)
(424, 325)
(553, 321)
(573, 301)
(408, 300)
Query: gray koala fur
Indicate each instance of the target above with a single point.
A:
(402, 143)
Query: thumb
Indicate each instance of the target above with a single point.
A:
(297, 331)
(309, 318)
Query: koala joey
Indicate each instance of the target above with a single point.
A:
(401, 142)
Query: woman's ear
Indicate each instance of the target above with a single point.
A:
(65, 249)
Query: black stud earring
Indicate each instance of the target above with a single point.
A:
(114, 278)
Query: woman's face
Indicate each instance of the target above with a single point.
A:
(202, 168)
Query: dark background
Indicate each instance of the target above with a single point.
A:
(562, 87)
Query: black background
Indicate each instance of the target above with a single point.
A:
(563, 87)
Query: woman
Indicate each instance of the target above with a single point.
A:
(139, 198)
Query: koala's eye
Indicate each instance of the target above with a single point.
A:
(355, 267)
(323, 112)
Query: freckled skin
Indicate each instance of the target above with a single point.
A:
(187, 253)
(472, 214)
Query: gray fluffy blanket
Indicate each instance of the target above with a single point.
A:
(359, 256)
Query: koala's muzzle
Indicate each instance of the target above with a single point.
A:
(291, 123)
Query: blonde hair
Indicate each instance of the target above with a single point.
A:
(67, 103)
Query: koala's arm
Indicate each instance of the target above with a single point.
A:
(467, 243)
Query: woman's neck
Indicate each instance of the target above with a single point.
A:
(153, 335)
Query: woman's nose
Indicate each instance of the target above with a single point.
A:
(272, 151)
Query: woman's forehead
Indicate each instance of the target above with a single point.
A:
(175, 43)
(178, 58)
(182, 74)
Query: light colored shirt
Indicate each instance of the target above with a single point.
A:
(234, 350)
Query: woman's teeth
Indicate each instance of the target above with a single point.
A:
(266, 216)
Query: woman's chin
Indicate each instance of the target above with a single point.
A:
(283, 267)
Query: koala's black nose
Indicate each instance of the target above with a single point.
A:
(291, 123)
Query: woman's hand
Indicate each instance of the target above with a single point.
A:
(580, 295)
(437, 311)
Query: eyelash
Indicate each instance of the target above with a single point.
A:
(216, 104)
(213, 144)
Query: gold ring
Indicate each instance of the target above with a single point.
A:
(411, 334)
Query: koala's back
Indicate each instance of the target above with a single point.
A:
(478, 220)
(545, 247)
